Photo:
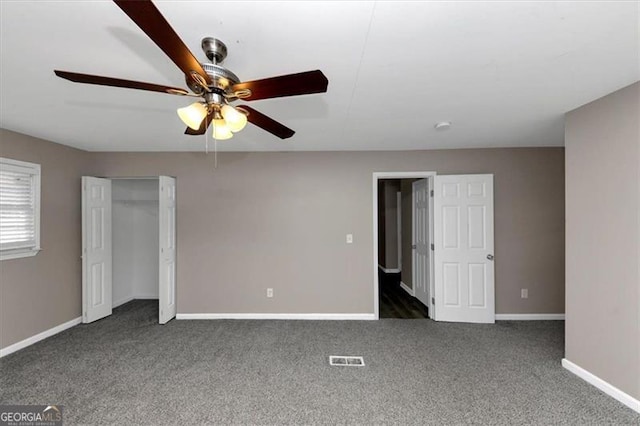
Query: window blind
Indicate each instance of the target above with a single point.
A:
(17, 207)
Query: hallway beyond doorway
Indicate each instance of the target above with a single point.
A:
(396, 302)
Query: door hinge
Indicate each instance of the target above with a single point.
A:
(432, 247)
(433, 300)
(431, 192)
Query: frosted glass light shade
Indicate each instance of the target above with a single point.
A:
(193, 115)
(234, 118)
(220, 130)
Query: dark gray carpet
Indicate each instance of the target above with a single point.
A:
(126, 369)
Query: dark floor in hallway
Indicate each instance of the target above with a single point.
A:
(395, 302)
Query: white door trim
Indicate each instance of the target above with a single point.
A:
(432, 276)
(377, 176)
(399, 227)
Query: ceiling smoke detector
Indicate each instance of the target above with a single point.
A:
(443, 125)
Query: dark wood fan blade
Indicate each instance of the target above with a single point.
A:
(203, 126)
(303, 83)
(145, 14)
(268, 124)
(117, 82)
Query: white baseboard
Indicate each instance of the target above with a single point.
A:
(407, 289)
(130, 298)
(40, 336)
(121, 302)
(389, 270)
(529, 317)
(360, 317)
(146, 297)
(605, 387)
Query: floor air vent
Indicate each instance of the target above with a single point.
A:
(346, 361)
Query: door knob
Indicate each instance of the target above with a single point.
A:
(413, 246)
(490, 256)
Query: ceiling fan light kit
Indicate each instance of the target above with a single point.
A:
(217, 86)
(193, 114)
(235, 119)
(221, 131)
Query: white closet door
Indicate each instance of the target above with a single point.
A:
(167, 264)
(464, 269)
(96, 248)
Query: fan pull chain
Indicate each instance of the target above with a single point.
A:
(215, 150)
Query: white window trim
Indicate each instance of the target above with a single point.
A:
(17, 253)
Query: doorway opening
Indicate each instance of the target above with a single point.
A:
(403, 230)
(128, 244)
(135, 239)
(453, 271)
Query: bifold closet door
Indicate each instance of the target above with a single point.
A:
(167, 248)
(96, 249)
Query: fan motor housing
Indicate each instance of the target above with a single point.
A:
(222, 78)
(215, 49)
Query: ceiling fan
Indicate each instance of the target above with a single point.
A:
(214, 84)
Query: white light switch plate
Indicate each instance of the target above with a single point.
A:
(349, 238)
(524, 293)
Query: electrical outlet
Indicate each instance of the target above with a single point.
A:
(524, 293)
(269, 292)
(349, 238)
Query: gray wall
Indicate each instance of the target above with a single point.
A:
(280, 219)
(40, 292)
(603, 233)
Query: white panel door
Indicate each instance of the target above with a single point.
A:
(167, 249)
(464, 269)
(96, 248)
(421, 240)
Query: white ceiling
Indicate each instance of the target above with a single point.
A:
(503, 73)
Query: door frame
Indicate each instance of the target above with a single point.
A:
(112, 178)
(375, 178)
(399, 227)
